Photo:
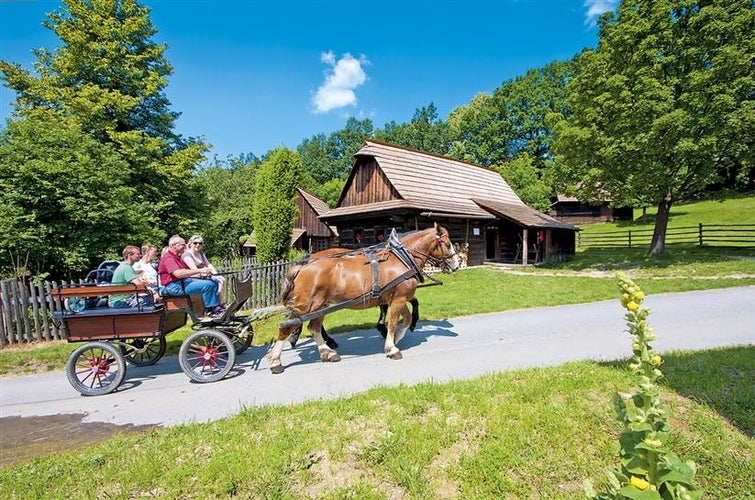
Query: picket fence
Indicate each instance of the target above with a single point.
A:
(26, 307)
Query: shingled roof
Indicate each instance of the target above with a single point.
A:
(524, 215)
(444, 186)
(432, 183)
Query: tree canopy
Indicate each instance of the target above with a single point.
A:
(661, 106)
(275, 209)
(104, 83)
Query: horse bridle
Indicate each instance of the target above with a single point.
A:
(441, 262)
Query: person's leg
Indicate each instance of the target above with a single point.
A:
(208, 289)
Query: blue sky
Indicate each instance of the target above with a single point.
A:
(253, 75)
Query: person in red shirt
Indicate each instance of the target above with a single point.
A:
(177, 278)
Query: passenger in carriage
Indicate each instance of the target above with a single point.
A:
(146, 268)
(195, 258)
(179, 279)
(125, 274)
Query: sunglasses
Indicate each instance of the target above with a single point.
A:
(199, 243)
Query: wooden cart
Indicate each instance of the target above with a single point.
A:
(136, 335)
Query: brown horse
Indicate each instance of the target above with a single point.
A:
(320, 286)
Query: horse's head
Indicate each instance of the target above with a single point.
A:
(442, 253)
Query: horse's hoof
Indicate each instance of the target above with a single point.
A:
(331, 343)
(396, 355)
(330, 357)
(275, 370)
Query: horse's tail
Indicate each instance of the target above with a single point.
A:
(288, 282)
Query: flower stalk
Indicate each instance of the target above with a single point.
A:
(648, 469)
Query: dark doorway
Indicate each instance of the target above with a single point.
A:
(491, 243)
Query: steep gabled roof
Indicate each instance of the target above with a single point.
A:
(319, 206)
(432, 183)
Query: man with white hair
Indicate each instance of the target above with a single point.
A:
(178, 279)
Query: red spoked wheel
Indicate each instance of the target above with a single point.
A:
(207, 356)
(96, 368)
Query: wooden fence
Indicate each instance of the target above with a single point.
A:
(740, 235)
(26, 308)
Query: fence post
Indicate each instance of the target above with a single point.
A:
(630, 238)
(700, 233)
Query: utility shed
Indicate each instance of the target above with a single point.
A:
(396, 187)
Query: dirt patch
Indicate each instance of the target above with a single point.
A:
(23, 438)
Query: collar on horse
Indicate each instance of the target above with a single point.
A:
(398, 249)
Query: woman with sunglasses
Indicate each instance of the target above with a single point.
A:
(195, 258)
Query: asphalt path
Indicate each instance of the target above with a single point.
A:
(452, 349)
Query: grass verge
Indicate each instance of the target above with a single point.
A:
(533, 433)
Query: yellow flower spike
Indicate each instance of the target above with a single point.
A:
(639, 483)
(632, 306)
(639, 296)
(656, 360)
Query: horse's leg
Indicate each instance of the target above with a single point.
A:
(326, 353)
(415, 313)
(407, 321)
(328, 339)
(294, 338)
(397, 307)
(275, 353)
(381, 320)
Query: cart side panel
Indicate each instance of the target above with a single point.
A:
(173, 321)
(124, 326)
(185, 303)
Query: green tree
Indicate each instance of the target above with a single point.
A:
(425, 132)
(107, 80)
(663, 102)
(342, 144)
(275, 209)
(229, 201)
(494, 129)
(522, 176)
(64, 195)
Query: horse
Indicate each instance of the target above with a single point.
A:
(358, 280)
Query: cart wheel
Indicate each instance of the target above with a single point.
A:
(243, 339)
(95, 368)
(143, 351)
(206, 356)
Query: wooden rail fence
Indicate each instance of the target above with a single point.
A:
(26, 307)
(742, 235)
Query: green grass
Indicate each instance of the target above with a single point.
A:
(534, 433)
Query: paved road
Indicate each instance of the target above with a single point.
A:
(456, 348)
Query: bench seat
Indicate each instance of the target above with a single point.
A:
(107, 311)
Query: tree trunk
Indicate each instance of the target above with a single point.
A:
(658, 244)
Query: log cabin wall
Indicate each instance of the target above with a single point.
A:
(369, 185)
(309, 220)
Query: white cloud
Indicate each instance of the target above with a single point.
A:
(597, 7)
(337, 90)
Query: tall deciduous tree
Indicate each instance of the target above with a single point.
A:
(107, 80)
(63, 196)
(663, 101)
(425, 132)
(229, 201)
(494, 129)
(275, 209)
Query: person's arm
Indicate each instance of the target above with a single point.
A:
(188, 258)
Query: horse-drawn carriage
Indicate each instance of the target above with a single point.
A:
(113, 337)
(384, 275)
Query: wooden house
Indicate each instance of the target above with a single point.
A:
(570, 209)
(396, 187)
(310, 233)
